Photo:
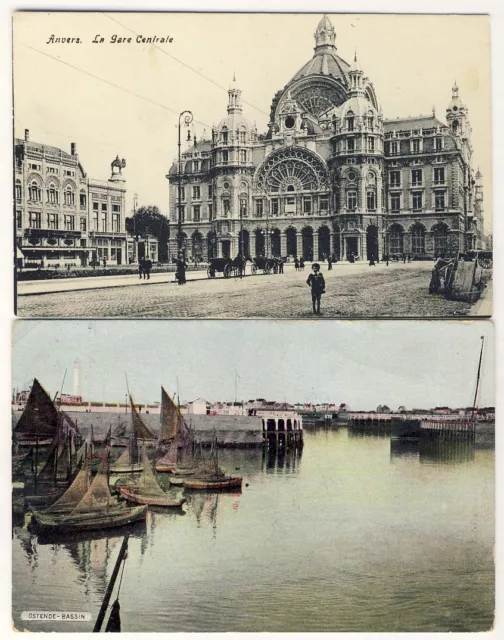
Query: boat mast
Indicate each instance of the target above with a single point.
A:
(477, 382)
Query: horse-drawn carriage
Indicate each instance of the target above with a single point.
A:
(267, 265)
(227, 266)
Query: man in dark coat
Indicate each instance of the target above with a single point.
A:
(329, 263)
(141, 268)
(147, 268)
(317, 284)
(180, 274)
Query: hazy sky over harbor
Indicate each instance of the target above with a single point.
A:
(364, 363)
(412, 60)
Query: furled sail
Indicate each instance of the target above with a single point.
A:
(147, 483)
(75, 492)
(140, 429)
(40, 417)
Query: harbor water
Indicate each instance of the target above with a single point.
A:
(357, 533)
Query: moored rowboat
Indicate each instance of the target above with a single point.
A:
(100, 519)
(209, 484)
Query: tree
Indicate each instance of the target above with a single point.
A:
(150, 221)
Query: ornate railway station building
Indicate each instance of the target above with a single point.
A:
(63, 216)
(330, 176)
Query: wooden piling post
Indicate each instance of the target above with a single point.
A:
(110, 588)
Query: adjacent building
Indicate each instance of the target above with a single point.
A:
(64, 217)
(331, 175)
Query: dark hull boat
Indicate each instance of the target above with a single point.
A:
(117, 517)
(131, 494)
(210, 484)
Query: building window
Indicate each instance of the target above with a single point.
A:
(70, 223)
(103, 222)
(104, 207)
(395, 178)
(226, 204)
(418, 240)
(224, 136)
(69, 173)
(417, 200)
(95, 220)
(197, 213)
(182, 193)
(350, 123)
(259, 208)
(350, 144)
(243, 156)
(19, 190)
(35, 167)
(371, 201)
(52, 220)
(415, 146)
(196, 166)
(371, 142)
(307, 205)
(210, 191)
(34, 192)
(394, 148)
(275, 208)
(438, 144)
(440, 200)
(439, 175)
(19, 219)
(52, 170)
(83, 224)
(242, 137)
(395, 202)
(182, 213)
(82, 200)
(416, 177)
(95, 206)
(370, 122)
(324, 203)
(395, 240)
(35, 220)
(69, 196)
(196, 193)
(351, 200)
(243, 207)
(225, 157)
(52, 194)
(116, 222)
(210, 211)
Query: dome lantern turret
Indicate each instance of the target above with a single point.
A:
(325, 35)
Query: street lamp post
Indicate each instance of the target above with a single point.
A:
(135, 204)
(187, 118)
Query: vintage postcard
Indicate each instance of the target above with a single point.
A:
(225, 165)
(341, 480)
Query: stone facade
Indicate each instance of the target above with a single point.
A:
(63, 216)
(330, 176)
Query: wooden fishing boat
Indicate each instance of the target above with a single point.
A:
(148, 490)
(131, 494)
(116, 517)
(213, 484)
(173, 433)
(125, 463)
(96, 508)
(40, 419)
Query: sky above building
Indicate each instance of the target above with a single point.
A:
(363, 363)
(124, 98)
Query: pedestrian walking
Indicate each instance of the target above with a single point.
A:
(147, 268)
(329, 263)
(372, 262)
(281, 264)
(180, 274)
(404, 258)
(140, 268)
(387, 258)
(301, 264)
(317, 284)
(296, 264)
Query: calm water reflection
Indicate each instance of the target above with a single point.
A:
(357, 534)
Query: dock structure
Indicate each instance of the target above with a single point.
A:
(448, 429)
(282, 429)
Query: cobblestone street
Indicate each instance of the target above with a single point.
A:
(352, 290)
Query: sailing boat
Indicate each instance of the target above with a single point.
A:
(96, 509)
(210, 476)
(148, 490)
(128, 460)
(172, 433)
(39, 421)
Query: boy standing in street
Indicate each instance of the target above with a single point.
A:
(317, 283)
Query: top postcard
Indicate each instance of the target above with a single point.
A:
(233, 165)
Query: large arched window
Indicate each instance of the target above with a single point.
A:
(292, 167)
(52, 194)
(82, 199)
(350, 121)
(19, 190)
(224, 135)
(440, 239)
(396, 239)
